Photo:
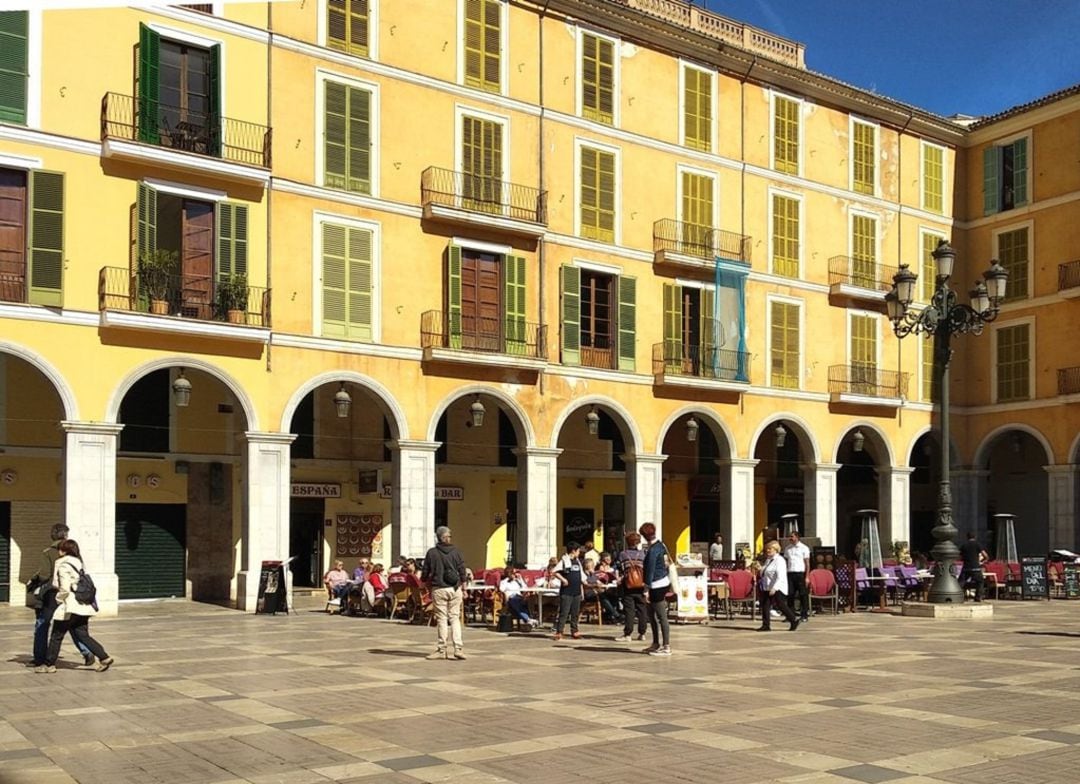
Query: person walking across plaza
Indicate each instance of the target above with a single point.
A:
(657, 586)
(444, 573)
(774, 588)
(43, 614)
(797, 555)
(631, 570)
(71, 614)
(973, 559)
(569, 572)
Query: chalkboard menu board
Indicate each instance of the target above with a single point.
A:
(1072, 581)
(1033, 578)
(272, 597)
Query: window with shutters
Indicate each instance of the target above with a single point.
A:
(598, 78)
(1013, 362)
(596, 180)
(863, 157)
(928, 271)
(348, 265)
(697, 213)
(349, 25)
(863, 353)
(482, 44)
(14, 65)
(482, 159)
(926, 346)
(785, 235)
(486, 297)
(933, 177)
(347, 137)
(1013, 252)
(31, 236)
(1006, 175)
(697, 108)
(784, 344)
(864, 251)
(785, 135)
(598, 319)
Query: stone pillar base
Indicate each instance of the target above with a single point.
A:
(948, 611)
(108, 591)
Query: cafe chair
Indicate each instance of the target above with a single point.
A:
(400, 596)
(994, 577)
(823, 589)
(741, 592)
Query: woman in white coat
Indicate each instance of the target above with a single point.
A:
(774, 588)
(71, 614)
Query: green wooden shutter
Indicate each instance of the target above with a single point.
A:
(453, 294)
(149, 45)
(711, 339)
(334, 284)
(146, 215)
(335, 135)
(627, 322)
(214, 122)
(46, 235)
(231, 222)
(360, 270)
(514, 299)
(672, 328)
(571, 315)
(14, 66)
(1020, 169)
(991, 189)
(347, 138)
(359, 136)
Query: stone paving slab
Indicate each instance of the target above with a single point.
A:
(206, 695)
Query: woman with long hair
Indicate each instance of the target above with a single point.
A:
(71, 615)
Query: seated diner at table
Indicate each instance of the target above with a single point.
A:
(594, 590)
(511, 587)
(336, 580)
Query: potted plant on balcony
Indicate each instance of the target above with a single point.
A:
(232, 297)
(156, 271)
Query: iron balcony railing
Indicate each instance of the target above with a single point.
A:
(867, 380)
(506, 335)
(12, 287)
(673, 358)
(1068, 275)
(703, 242)
(1069, 381)
(481, 194)
(863, 274)
(198, 297)
(152, 122)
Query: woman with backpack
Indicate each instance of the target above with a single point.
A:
(631, 570)
(72, 614)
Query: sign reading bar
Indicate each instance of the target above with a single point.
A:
(316, 490)
(441, 493)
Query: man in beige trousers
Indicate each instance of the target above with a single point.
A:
(444, 572)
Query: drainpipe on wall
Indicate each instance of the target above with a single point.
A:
(270, 182)
(900, 249)
(541, 255)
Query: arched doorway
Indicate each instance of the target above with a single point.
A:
(862, 483)
(1017, 484)
(783, 451)
(925, 478)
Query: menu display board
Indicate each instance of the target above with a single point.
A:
(693, 598)
(1033, 584)
(1071, 576)
(272, 597)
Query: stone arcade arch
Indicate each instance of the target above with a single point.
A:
(1014, 458)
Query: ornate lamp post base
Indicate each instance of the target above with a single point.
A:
(944, 589)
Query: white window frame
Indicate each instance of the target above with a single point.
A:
(1029, 182)
(318, 218)
(801, 304)
(681, 169)
(713, 100)
(852, 122)
(995, 238)
(504, 48)
(616, 78)
(217, 8)
(373, 29)
(925, 344)
(863, 213)
(851, 314)
(802, 228)
(773, 95)
(460, 113)
(34, 64)
(597, 266)
(944, 178)
(201, 41)
(1029, 322)
(924, 232)
(321, 77)
(580, 142)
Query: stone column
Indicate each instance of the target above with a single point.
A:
(265, 512)
(739, 482)
(894, 490)
(1063, 513)
(413, 515)
(819, 504)
(969, 501)
(645, 479)
(90, 502)
(537, 504)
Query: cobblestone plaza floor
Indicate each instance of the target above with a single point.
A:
(202, 695)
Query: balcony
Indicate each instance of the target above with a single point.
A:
(692, 247)
(472, 340)
(1068, 381)
(12, 286)
(191, 304)
(866, 385)
(179, 139)
(857, 283)
(1069, 279)
(476, 201)
(700, 367)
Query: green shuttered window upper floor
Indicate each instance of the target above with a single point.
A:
(14, 66)
(599, 319)
(347, 282)
(347, 138)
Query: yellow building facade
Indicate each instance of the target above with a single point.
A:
(308, 279)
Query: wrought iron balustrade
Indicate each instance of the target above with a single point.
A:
(482, 194)
(674, 358)
(852, 271)
(705, 242)
(185, 296)
(867, 380)
(506, 335)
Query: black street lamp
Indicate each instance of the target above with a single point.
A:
(943, 318)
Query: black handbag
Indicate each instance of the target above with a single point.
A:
(35, 589)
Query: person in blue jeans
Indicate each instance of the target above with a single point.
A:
(657, 586)
(511, 586)
(569, 573)
(43, 615)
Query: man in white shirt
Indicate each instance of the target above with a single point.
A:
(797, 556)
(716, 550)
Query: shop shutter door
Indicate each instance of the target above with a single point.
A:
(150, 550)
(5, 551)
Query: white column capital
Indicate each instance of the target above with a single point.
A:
(1062, 468)
(266, 437)
(896, 470)
(536, 451)
(643, 458)
(415, 445)
(736, 462)
(824, 467)
(91, 428)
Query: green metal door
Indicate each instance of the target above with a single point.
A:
(150, 550)
(5, 551)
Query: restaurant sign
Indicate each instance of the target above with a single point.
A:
(441, 493)
(316, 490)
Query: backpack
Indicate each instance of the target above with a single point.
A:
(634, 575)
(85, 591)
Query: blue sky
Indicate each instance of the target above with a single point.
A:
(948, 56)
